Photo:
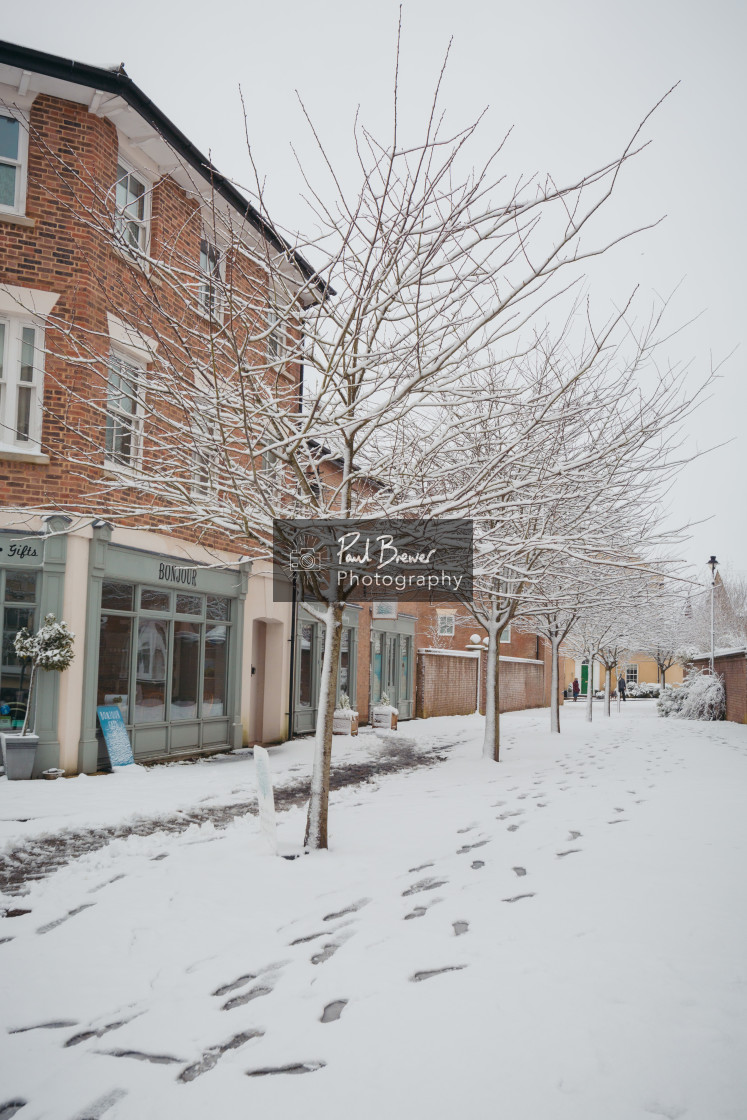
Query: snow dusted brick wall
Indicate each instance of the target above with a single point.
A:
(522, 685)
(447, 686)
(732, 668)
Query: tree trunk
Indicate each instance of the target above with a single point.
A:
(491, 742)
(663, 678)
(316, 822)
(607, 689)
(554, 698)
(589, 690)
(29, 698)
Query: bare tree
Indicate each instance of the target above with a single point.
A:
(271, 390)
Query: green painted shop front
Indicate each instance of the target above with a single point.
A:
(163, 642)
(32, 580)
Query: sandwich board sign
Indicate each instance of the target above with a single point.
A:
(115, 735)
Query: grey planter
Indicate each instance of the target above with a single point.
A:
(19, 755)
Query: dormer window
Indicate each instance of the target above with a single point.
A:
(133, 208)
(13, 160)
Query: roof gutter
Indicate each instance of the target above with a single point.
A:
(118, 82)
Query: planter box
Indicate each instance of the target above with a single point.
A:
(345, 722)
(19, 755)
(385, 717)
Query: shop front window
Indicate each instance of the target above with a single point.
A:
(185, 673)
(405, 645)
(19, 610)
(216, 671)
(115, 645)
(378, 641)
(156, 665)
(305, 665)
(150, 678)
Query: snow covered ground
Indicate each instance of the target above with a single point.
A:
(559, 937)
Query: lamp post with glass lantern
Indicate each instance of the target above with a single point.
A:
(712, 564)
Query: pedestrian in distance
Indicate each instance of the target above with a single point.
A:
(576, 688)
(621, 686)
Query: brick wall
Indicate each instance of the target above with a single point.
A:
(733, 671)
(447, 684)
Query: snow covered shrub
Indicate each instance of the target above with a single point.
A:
(705, 697)
(671, 700)
(50, 648)
(700, 696)
(648, 690)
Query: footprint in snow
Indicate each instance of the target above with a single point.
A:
(573, 835)
(298, 1067)
(56, 1024)
(106, 883)
(138, 1055)
(333, 1011)
(477, 864)
(98, 1032)
(469, 847)
(324, 954)
(519, 871)
(568, 852)
(513, 827)
(70, 914)
(424, 885)
(247, 997)
(10, 1108)
(518, 897)
(422, 866)
(351, 909)
(211, 1056)
(418, 976)
(242, 980)
(460, 928)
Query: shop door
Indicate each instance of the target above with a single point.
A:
(584, 678)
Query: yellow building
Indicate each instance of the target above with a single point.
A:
(640, 668)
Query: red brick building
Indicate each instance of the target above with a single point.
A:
(121, 246)
(123, 252)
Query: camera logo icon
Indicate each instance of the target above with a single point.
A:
(305, 560)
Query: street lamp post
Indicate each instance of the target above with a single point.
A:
(712, 564)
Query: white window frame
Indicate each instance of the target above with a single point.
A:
(631, 674)
(277, 345)
(204, 460)
(506, 634)
(446, 625)
(210, 283)
(134, 419)
(21, 163)
(143, 247)
(11, 384)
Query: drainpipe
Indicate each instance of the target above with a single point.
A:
(292, 670)
(294, 599)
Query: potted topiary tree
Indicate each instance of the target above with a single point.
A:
(384, 714)
(50, 648)
(345, 718)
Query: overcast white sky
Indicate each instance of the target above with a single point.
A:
(573, 78)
